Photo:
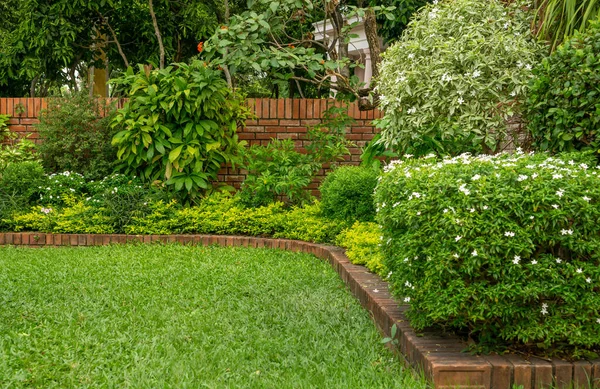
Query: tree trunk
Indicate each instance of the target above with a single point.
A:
(373, 40)
(161, 48)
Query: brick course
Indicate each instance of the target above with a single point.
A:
(274, 118)
(440, 357)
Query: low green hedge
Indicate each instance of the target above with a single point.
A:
(505, 247)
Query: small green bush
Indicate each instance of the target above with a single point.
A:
(460, 70)
(347, 193)
(362, 242)
(179, 126)
(22, 179)
(505, 247)
(76, 136)
(562, 107)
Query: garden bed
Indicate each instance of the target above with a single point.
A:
(441, 358)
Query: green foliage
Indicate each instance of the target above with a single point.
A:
(391, 29)
(457, 74)
(362, 242)
(307, 223)
(347, 193)
(562, 107)
(23, 179)
(279, 170)
(505, 247)
(12, 149)
(557, 20)
(59, 187)
(19, 185)
(76, 136)
(179, 125)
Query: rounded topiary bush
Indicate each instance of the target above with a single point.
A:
(347, 193)
(460, 70)
(505, 247)
(562, 107)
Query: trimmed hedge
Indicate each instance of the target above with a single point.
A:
(504, 247)
(347, 193)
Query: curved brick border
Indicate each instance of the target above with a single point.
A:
(439, 357)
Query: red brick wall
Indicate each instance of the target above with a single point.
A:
(275, 118)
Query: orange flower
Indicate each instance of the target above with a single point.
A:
(200, 47)
(223, 27)
(292, 47)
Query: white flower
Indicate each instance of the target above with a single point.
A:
(485, 207)
(522, 177)
(405, 259)
(584, 166)
(513, 93)
(555, 206)
(476, 73)
(445, 210)
(388, 275)
(544, 310)
(458, 238)
(588, 280)
(516, 260)
(474, 253)
(475, 177)
(534, 262)
(566, 232)
(532, 217)
(411, 56)
(534, 176)
(528, 66)
(506, 25)
(509, 233)
(579, 270)
(585, 198)
(419, 213)
(411, 110)
(598, 321)
(560, 193)
(375, 290)
(407, 299)
(558, 260)
(455, 255)
(416, 194)
(472, 210)
(557, 176)
(460, 100)
(519, 64)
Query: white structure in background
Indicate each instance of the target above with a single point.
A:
(358, 48)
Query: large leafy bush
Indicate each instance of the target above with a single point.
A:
(457, 74)
(564, 98)
(347, 193)
(76, 136)
(504, 247)
(179, 126)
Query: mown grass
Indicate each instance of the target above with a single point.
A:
(171, 316)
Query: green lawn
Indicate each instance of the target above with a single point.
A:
(171, 316)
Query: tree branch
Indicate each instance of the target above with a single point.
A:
(157, 33)
(116, 40)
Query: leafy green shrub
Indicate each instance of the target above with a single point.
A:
(279, 170)
(562, 107)
(307, 223)
(506, 247)
(58, 188)
(12, 149)
(76, 136)
(179, 125)
(22, 179)
(362, 242)
(347, 193)
(458, 72)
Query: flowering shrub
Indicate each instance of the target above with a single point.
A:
(458, 72)
(60, 186)
(506, 247)
(562, 105)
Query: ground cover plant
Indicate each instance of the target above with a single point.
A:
(505, 248)
(182, 316)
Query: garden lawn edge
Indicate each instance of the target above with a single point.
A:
(439, 357)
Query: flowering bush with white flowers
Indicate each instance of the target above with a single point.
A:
(506, 247)
(460, 70)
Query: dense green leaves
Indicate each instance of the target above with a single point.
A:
(458, 73)
(505, 247)
(563, 104)
(179, 126)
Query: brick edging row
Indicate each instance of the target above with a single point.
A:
(440, 357)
